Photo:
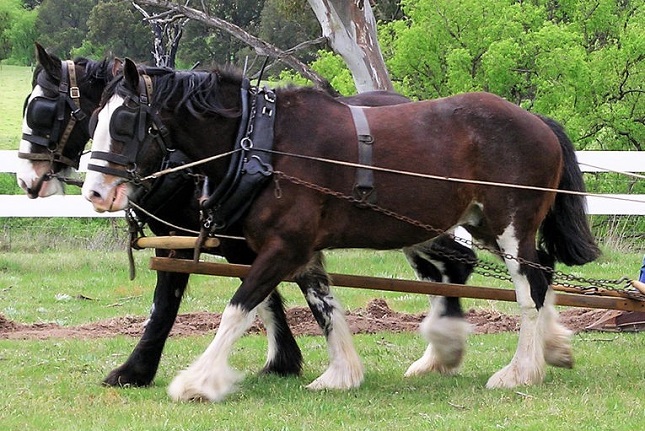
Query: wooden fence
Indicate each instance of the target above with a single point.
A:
(590, 161)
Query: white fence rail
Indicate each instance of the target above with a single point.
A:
(590, 161)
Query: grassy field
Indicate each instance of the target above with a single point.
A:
(54, 384)
(15, 83)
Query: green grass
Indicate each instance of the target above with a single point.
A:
(48, 286)
(15, 82)
(53, 385)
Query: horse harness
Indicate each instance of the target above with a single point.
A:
(250, 167)
(363, 190)
(129, 125)
(45, 116)
(251, 164)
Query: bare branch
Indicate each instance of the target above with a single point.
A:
(261, 47)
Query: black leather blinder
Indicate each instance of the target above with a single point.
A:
(41, 114)
(124, 124)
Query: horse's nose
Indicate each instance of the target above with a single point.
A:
(94, 196)
(31, 192)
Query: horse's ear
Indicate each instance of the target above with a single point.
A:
(117, 66)
(50, 62)
(130, 73)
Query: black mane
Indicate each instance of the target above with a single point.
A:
(199, 92)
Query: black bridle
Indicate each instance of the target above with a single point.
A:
(46, 117)
(136, 125)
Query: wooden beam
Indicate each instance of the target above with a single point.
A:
(399, 285)
(172, 242)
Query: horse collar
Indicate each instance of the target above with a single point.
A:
(250, 167)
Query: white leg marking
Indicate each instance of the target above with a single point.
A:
(446, 336)
(528, 364)
(269, 324)
(447, 342)
(210, 378)
(557, 338)
(345, 369)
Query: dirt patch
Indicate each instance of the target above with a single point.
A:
(376, 317)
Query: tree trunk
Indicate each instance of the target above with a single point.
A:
(350, 27)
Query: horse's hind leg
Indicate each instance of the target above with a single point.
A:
(345, 369)
(557, 338)
(283, 356)
(541, 338)
(444, 327)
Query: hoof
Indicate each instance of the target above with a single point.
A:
(194, 386)
(514, 375)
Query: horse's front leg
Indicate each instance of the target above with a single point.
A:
(140, 368)
(345, 369)
(284, 357)
(210, 377)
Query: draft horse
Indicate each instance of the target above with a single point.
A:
(48, 156)
(479, 139)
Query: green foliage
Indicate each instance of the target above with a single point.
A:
(17, 32)
(332, 67)
(116, 28)
(62, 26)
(207, 45)
(286, 24)
(580, 62)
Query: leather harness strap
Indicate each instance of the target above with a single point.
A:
(364, 185)
(75, 95)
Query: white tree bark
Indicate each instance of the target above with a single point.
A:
(350, 27)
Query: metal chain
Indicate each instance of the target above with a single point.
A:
(486, 268)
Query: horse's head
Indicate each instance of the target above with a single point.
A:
(145, 115)
(124, 126)
(55, 120)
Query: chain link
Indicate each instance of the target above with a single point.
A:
(487, 269)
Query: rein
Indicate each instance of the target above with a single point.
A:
(406, 173)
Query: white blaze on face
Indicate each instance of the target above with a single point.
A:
(104, 191)
(29, 172)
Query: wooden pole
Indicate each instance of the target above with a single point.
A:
(399, 285)
(172, 242)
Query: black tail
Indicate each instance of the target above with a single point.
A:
(565, 232)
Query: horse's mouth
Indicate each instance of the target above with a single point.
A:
(115, 200)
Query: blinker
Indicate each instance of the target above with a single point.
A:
(41, 113)
(124, 123)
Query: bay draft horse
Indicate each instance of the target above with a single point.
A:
(476, 137)
(47, 160)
